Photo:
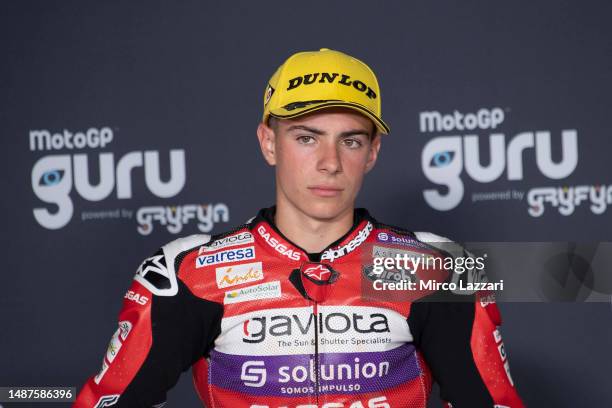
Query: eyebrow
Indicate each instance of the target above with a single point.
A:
(321, 132)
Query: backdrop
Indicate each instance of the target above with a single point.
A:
(125, 125)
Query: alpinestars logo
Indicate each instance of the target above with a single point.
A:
(318, 272)
(333, 254)
(154, 275)
(153, 265)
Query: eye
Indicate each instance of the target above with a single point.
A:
(352, 143)
(442, 159)
(305, 139)
(51, 178)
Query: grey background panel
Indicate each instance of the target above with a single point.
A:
(191, 77)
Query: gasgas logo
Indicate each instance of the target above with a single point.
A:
(447, 160)
(54, 176)
(375, 402)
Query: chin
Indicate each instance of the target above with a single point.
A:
(325, 210)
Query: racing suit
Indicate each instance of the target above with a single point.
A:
(263, 323)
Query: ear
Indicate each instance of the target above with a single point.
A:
(267, 143)
(373, 153)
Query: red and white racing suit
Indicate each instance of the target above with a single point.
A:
(265, 324)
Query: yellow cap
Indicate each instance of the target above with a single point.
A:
(313, 80)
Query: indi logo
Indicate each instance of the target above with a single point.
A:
(444, 159)
(54, 176)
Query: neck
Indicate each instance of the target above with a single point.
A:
(310, 233)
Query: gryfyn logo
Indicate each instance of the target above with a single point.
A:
(444, 158)
(54, 175)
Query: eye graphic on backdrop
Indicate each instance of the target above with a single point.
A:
(52, 183)
(51, 178)
(442, 159)
(442, 163)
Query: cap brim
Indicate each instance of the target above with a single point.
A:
(283, 113)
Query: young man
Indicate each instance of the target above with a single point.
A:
(279, 312)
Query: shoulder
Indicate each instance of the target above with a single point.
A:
(392, 234)
(463, 267)
(158, 272)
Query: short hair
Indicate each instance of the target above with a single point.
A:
(273, 123)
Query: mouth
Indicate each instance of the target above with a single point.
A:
(325, 191)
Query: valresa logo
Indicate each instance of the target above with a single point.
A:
(258, 329)
(229, 255)
(277, 245)
(445, 158)
(239, 274)
(54, 176)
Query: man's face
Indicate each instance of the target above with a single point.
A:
(321, 159)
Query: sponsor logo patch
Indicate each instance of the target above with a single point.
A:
(332, 254)
(153, 274)
(228, 255)
(269, 92)
(239, 274)
(229, 241)
(136, 297)
(389, 238)
(318, 272)
(277, 245)
(114, 346)
(258, 328)
(107, 401)
(266, 290)
(153, 265)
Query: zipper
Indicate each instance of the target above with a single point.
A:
(316, 356)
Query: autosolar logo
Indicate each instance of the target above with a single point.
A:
(80, 161)
(457, 152)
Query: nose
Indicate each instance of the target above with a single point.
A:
(329, 158)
